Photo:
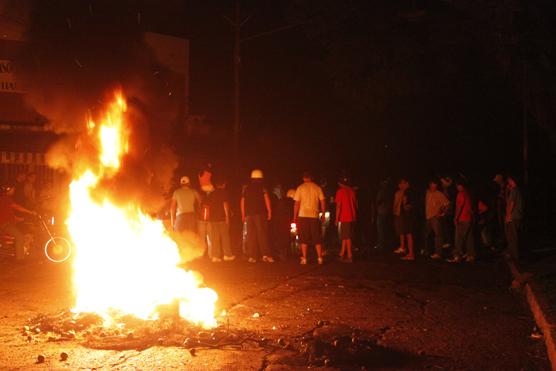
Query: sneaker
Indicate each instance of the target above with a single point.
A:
(455, 259)
(408, 258)
(340, 257)
(230, 258)
(303, 261)
(470, 259)
(348, 260)
(320, 260)
(216, 260)
(251, 260)
(436, 256)
(446, 246)
(399, 250)
(268, 259)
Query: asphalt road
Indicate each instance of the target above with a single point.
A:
(381, 314)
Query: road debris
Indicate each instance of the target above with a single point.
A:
(536, 334)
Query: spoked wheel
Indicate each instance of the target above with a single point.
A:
(57, 249)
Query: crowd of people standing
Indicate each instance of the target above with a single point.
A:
(454, 218)
(452, 224)
(449, 221)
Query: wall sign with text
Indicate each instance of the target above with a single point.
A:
(8, 78)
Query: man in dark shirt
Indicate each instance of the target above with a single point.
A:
(220, 223)
(281, 222)
(514, 215)
(500, 204)
(203, 221)
(383, 210)
(19, 193)
(256, 212)
(8, 221)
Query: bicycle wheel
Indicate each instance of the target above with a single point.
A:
(57, 249)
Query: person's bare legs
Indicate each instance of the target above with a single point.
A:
(343, 249)
(348, 248)
(401, 249)
(304, 250)
(319, 250)
(410, 253)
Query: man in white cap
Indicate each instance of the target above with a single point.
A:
(182, 209)
(256, 212)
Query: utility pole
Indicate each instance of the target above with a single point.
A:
(236, 24)
(237, 64)
(525, 104)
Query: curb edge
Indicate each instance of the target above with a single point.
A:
(538, 314)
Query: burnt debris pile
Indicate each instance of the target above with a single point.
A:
(129, 332)
(327, 344)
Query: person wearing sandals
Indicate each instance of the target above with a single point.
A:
(403, 220)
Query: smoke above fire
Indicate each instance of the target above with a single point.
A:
(77, 54)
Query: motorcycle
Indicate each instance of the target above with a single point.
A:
(41, 234)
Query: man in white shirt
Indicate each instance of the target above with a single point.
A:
(309, 199)
(185, 200)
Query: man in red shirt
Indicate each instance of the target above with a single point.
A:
(346, 210)
(8, 220)
(463, 219)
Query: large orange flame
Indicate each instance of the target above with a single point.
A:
(124, 260)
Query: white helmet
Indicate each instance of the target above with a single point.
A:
(184, 180)
(257, 174)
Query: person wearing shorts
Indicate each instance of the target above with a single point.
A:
(309, 231)
(345, 217)
(308, 199)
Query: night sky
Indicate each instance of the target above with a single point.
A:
(362, 86)
(374, 88)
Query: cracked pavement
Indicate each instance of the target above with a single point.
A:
(400, 315)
